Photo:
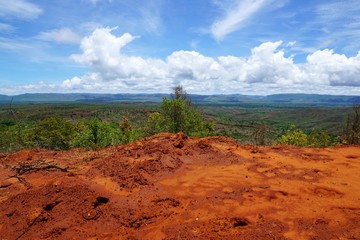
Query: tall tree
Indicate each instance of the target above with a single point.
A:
(178, 115)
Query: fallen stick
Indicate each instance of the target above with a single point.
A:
(29, 226)
(33, 166)
(23, 181)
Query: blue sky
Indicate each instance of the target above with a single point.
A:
(207, 46)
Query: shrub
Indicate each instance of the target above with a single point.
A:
(178, 115)
(294, 136)
(316, 138)
(174, 113)
(154, 124)
(319, 138)
(94, 134)
(7, 122)
(53, 133)
(9, 140)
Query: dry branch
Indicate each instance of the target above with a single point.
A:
(29, 226)
(37, 165)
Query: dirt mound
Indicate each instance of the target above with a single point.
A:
(172, 187)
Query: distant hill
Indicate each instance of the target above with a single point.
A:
(313, 98)
(80, 97)
(231, 99)
(4, 98)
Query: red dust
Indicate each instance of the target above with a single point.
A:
(172, 187)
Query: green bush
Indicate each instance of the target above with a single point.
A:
(94, 133)
(9, 140)
(316, 138)
(294, 136)
(178, 115)
(319, 138)
(174, 113)
(154, 124)
(7, 122)
(54, 133)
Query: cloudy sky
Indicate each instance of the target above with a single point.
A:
(256, 47)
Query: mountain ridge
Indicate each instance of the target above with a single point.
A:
(290, 98)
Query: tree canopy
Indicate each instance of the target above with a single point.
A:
(178, 115)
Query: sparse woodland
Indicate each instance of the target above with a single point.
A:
(95, 129)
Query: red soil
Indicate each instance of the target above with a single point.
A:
(171, 187)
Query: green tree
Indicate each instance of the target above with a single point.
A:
(315, 138)
(318, 138)
(95, 133)
(53, 133)
(126, 130)
(180, 93)
(294, 136)
(178, 115)
(154, 124)
(174, 114)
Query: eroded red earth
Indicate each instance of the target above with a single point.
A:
(171, 187)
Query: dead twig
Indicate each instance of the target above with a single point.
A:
(23, 181)
(36, 166)
(29, 226)
(25, 167)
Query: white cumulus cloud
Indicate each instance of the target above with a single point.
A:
(334, 69)
(102, 48)
(266, 70)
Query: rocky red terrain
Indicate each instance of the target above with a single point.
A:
(171, 187)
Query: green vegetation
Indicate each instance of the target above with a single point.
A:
(352, 133)
(98, 125)
(94, 133)
(178, 115)
(317, 138)
(53, 133)
(91, 125)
